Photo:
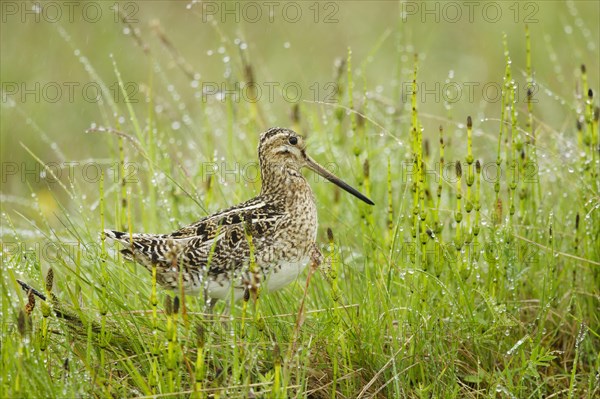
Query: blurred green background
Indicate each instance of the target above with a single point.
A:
(176, 53)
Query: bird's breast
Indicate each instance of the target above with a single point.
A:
(303, 220)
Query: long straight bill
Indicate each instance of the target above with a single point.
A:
(336, 180)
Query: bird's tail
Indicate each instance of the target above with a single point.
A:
(126, 239)
(119, 236)
(147, 249)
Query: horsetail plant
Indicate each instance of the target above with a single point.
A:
(437, 224)
(470, 180)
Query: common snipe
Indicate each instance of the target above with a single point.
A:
(278, 229)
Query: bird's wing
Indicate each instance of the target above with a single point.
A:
(217, 242)
(206, 228)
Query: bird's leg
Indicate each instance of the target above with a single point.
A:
(209, 304)
(212, 318)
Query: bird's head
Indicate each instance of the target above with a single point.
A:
(281, 148)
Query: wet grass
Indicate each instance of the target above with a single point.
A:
(476, 274)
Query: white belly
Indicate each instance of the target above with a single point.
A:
(285, 274)
(277, 279)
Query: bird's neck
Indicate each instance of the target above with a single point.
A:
(283, 180)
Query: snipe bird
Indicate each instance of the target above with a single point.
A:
(277, 229)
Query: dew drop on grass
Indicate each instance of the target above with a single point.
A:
(516, 346)
(581, 335)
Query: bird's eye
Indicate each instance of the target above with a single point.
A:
(293, 140)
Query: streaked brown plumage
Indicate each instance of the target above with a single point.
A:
(280, 225)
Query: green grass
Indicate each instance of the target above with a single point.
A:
(460, 282)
